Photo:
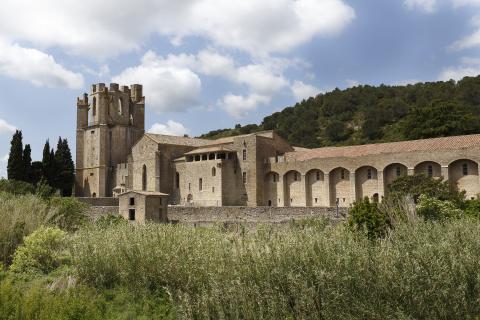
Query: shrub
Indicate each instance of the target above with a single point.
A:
(40, 253)
(435, 209)
(16, 187)
(19, 216)
(366, 216)
(417, 185)
(473, 208)
(68, 213)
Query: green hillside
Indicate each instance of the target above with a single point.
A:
(366, 114)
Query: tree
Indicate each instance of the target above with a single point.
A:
(64, 168)
(27, 164)
(365, 216)
(48, 164)
(15, 167)
(36, 172)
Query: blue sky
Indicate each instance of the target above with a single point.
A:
(209, 64)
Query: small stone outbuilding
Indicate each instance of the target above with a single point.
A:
(141, 206)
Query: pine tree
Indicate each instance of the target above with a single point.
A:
(27, 164)
(15, 168)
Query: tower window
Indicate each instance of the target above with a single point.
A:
(244, 176)
(244, 154)
(213, 189)
(120, 107)
(369, 174)
(214, 172)
(430, 170)
(144, 178)
(465, 169)
(177, 180)
(200, 184)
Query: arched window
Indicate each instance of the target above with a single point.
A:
(214, 172)
(342, 174)
(144, 178)
(369, 173)
(244, 154)
(177, 180)
(465, 169)
(120, 106)
(318, 175)
(430, 170)
(94, 195)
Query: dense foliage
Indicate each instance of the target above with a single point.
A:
(55, 170)
(365, 114)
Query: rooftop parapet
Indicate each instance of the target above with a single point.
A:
(83, 101)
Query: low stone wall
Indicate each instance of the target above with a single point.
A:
(200, 216)
(100, 202)
(250, 215)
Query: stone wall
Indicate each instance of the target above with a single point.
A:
(100, 202)
(249, 215)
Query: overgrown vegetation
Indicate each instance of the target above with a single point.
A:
(366, 114)
(416, 255)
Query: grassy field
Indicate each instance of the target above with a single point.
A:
(308, 270)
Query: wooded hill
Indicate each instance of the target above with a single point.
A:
(368, 114)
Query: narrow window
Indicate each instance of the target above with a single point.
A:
(343, 199)
(132, 201)
(177, 180)
(244, 177)
(269, 203)
(94, 106)
(465, 169)
(189, 186)
(369, 174)
(244, 155)
(430, 170)
(318, 175)
(214, 172)
(131, 214)
(94, 195)
(204, 157)
(399, 172)
(120, 106)
(213, 189)
(291, 200)
(316, 200)
(144, 178)
(342, 174)
(200, 184)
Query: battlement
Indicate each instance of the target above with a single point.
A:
(135, 91)
(83, 101)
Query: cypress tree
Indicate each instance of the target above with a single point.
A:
(27, 164)
(64, 168)
(48, 164)
(37, 172)
(15, 168)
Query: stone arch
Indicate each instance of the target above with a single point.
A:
(463, 175)
(392, 172)
(366, 182)
(429, 168)
(144, 178)
(315, 188)
(272, 188)
(294, 193)
(340, 189)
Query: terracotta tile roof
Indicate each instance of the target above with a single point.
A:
(211, 149)
(145, 193)
(445, 143)
(226, 140)
(178, 141)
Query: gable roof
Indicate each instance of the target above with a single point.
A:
(176, 140)
(426, 145)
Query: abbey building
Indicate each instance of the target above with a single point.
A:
(115, 155)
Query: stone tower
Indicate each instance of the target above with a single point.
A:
(109, 122)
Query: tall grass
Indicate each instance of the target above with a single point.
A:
(19, 216)
(421, 271)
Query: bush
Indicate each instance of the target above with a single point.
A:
(40, 253)
(366, 216)
(434, 209)
(417, 185)
(19, 216)
(68, 213)
(16, 187)
(473, 208)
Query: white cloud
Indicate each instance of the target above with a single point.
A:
(168, 85)
(303, 91)
(35, 66)
(463, 3)
(428, 6)
(3, 166)
(238, 106)
(105, 28)
(171, 128)
(6, 127)
(457, 73)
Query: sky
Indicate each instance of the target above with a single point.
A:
(211, 64)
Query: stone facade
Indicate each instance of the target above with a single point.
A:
(259, 169)
(142, 206)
